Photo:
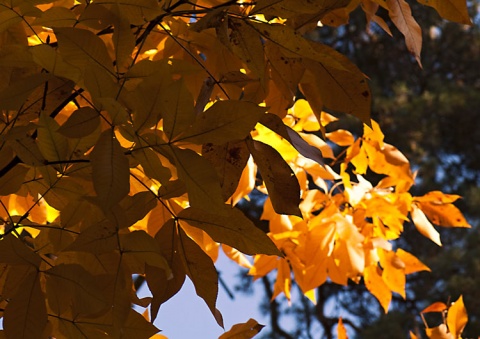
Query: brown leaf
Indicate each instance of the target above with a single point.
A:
(281, 182)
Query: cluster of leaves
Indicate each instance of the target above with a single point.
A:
(130, 129)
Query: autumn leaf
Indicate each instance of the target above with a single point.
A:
(243, 331)
(110, 170)
(233, 229)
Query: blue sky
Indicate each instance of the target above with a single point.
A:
(187, 316)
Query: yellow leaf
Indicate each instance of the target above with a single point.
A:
(341, 137)
(424, 226)
(262, 265)
(439, 332)
(236, 256)
(457, 317)
(341, 330)
(342, 89)
(412, 335)
(275, 124)
(243, 331)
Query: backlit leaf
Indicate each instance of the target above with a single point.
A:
(12, 180)
(52, 144)
(233, 229)
(453, 10)
(223, 122)
(173, 102)
(282, 185)
(25, 316)
(401, 15)
(229, 161)
(202, 183)
(110, 170)
(457, 317)
(80, 123)
(80, 47)
(200, 269)
(243, 331)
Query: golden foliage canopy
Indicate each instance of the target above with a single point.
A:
(129, 130)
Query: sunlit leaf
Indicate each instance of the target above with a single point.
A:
(457, 317)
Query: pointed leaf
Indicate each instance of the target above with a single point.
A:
(200, 178)
(281, 182)
(375, 285)
(140, 249)
(243, 331)
(223, 122)
(11, 181)
(80, 123)
(138, 327)
(229, 161)
(53, 145)
(110, 170)
(453, 10)
(200, 269)
(177, 109)
(401, 15)
(246, 44)
(70, 285)
(457, 317)
(233, 229)
(163, 287)
(14, 96)
(79, 47)
(276, 124)
(424, 226)
(25, 316)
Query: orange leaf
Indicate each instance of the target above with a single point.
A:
(243, 331)
(435, 307)
(457, 317)
(412, 264)
(341, 137)
(424, 226)
(341, 330)
(375, 285)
